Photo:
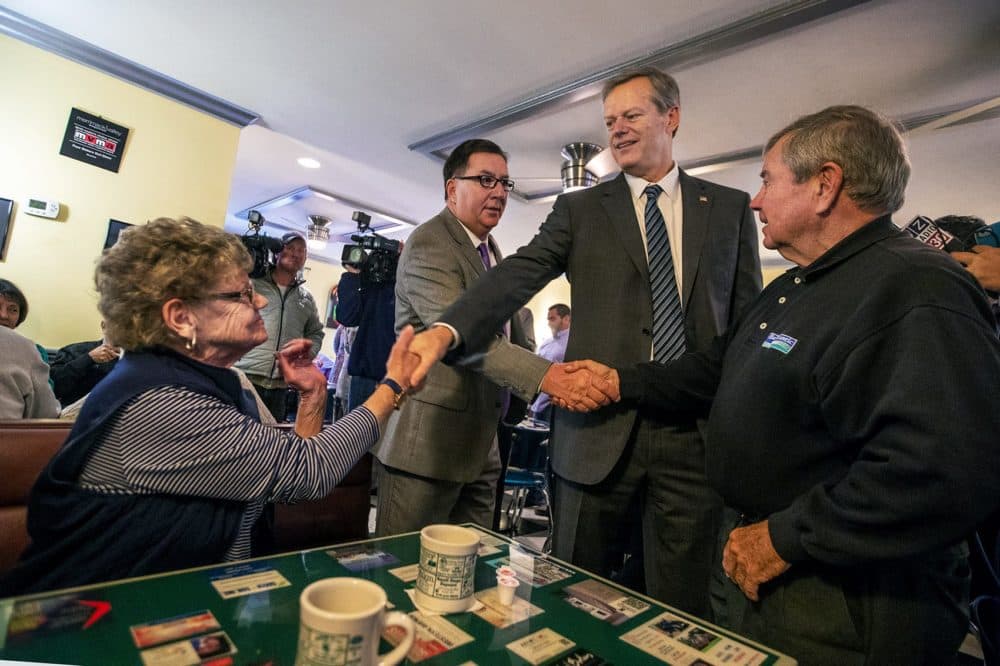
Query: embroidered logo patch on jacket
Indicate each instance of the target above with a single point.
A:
(779, 342)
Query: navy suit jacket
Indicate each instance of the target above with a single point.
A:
(593, 236)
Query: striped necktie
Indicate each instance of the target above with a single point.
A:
(668, 316)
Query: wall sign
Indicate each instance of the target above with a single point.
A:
(93, 140)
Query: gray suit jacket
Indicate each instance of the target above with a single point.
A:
(447, 430)
(593, 236)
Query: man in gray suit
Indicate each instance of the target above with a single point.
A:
(623, 459)
(438, 460)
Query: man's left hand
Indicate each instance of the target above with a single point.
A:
(750, 560)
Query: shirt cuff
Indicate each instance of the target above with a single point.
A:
(456, 338)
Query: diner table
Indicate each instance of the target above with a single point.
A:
(247, 613)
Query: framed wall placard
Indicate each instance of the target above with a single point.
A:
(94, 140)
(6, 208)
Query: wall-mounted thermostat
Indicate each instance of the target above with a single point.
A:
(42, 207)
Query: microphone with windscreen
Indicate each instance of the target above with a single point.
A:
(927, 232)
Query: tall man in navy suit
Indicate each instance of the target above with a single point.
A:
(608, 462)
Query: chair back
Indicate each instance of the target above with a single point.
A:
(26, 446)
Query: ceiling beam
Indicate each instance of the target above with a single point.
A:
(700, 48)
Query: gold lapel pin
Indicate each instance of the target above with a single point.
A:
(702, 199)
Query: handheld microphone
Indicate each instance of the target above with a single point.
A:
(924, 230)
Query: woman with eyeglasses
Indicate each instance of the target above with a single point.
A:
(168, 465)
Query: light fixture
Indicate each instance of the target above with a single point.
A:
(318, 233)
(575, 175)
(309, 163)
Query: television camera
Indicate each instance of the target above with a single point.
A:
(261, 247)
(376, 257)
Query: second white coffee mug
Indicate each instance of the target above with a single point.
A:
(341, 620)
(447, 569)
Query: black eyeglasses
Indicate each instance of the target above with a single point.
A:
(488, 181)
(243, 296)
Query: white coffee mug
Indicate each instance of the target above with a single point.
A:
(341, 620)
(447, 570)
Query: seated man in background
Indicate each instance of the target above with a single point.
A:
(24, 380)
(76, 368)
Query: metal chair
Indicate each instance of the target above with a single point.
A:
(527, 470)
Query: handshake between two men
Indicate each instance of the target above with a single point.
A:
(579, 386)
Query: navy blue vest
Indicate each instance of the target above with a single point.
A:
(81, 536)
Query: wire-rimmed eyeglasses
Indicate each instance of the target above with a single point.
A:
(242, 296)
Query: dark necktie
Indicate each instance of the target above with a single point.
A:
(668, 316)
(484, 254)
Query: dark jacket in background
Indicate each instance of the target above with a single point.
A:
(372, 308)
(74, 374)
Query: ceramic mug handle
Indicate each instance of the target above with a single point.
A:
(397, 654)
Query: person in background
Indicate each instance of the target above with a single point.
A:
(168, 465)
(369, 305)
(553, 349)
(342, 343)
(76, 368)
(982, 261)
(290, 313)
(853, 424)
(14, 310)
(24, 380)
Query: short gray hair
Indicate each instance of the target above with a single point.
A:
(865, 144)
(666, 94)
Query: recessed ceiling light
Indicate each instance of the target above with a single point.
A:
(309, 163)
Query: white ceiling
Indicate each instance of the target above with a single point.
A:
(354, 84)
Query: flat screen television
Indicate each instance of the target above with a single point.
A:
(115, 227)
(6, 208)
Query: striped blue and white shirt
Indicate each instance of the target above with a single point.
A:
(175, 441)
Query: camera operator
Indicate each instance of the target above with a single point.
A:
(368, 301)
(290, 313)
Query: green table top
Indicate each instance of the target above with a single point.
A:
(263, 625)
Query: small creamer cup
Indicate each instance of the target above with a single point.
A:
(446, 573)
(341, 621)
(506, 587)
(506, 571)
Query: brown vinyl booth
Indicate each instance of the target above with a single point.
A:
(27, 445)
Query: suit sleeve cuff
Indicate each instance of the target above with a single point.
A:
(785, 537)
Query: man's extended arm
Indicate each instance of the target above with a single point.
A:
(497, 295)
